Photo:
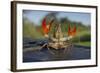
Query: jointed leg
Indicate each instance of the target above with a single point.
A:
(50, 50)
(43, 46)
(68, 49)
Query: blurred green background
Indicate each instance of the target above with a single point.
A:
(33, 29)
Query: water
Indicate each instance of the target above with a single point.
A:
(74, 53)
(32, 52)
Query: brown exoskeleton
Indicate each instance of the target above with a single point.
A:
(57, 40)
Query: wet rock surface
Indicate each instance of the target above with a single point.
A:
(32, 52)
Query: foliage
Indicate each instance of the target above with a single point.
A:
(35, 32)
(29, 30)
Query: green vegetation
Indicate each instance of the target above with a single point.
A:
(87, 43)
(29, 30)
(83, 36)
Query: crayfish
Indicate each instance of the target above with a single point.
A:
(57, 41)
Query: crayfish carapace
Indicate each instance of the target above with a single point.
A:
(57, 40)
